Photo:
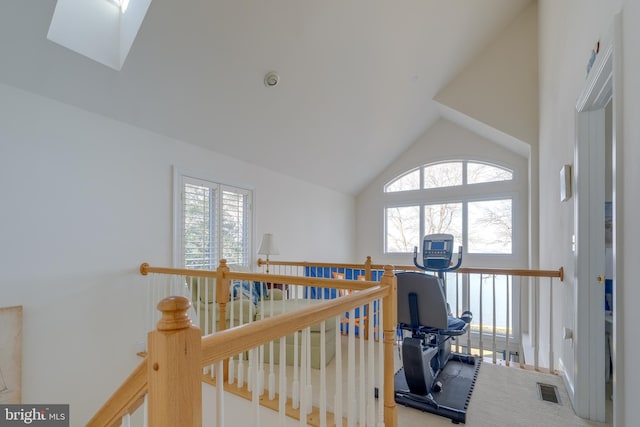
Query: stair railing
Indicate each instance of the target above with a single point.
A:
(169, 379)
(508, 306)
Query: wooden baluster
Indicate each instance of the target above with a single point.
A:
(367, 268)
(174, 373)
(222, 298)
(367, 276)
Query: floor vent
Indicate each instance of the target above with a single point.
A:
(548, 393)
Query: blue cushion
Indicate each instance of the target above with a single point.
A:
(455, 324)
(252, 291)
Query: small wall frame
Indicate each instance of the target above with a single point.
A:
(565, 183)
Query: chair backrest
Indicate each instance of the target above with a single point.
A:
(422, 292)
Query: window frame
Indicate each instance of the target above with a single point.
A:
(513, 189)
(465, 193)
(180, 177)
(465, 177)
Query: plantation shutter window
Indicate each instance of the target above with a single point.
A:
(216, 224)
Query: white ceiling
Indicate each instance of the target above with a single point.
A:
(357, 77)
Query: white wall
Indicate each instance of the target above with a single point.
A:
(85, 200)
(443, 140)
(568, 31)
(500, 86)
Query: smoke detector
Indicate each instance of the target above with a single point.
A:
(271, 79)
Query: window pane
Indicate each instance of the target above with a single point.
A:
(481, 172)
(444, 218)
(199, 251)
(443, 175)
(410, 181)
(403, 228)
(216, 224)
(490, 227)
(503, 307)
(234, 228)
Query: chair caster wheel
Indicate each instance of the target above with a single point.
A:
(437, 387)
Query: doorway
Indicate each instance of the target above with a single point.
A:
(594, 172)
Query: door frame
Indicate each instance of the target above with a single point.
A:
(602, 86)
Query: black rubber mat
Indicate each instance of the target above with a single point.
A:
(458, 379)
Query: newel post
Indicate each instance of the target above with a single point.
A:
(174, 371)
(367, 268)
(223, 284)
(390, 322)
(222, 293)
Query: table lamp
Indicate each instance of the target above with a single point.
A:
(268, 247)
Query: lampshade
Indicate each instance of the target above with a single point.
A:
(268, 245)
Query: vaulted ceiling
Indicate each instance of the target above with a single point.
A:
(356, 88)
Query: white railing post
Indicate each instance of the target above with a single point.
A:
(508, 321)
(381, 365)
(369, 388)
(493, 344)
(481, 334)
(338, 392)
(351, 371)
(323, 376)
(551, 356)
(362, 365)
(466, 282)
(536, 325)
(520, 325)
(220, 395)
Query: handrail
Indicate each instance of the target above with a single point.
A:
(559, 273)
(272, 278)
(262, 262)
(368, 265)
(125, 400)
(229, 342)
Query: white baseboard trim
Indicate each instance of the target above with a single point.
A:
(568, 383)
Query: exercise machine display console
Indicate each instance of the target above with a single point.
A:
(437, 252)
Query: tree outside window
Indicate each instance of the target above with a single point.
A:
(482, 226)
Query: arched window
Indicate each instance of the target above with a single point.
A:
(470, 199)
(448, 174)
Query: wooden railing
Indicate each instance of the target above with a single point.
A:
(517, 334)
(155, 382)
(169, 378)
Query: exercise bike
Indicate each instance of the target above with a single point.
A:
(432, 378)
